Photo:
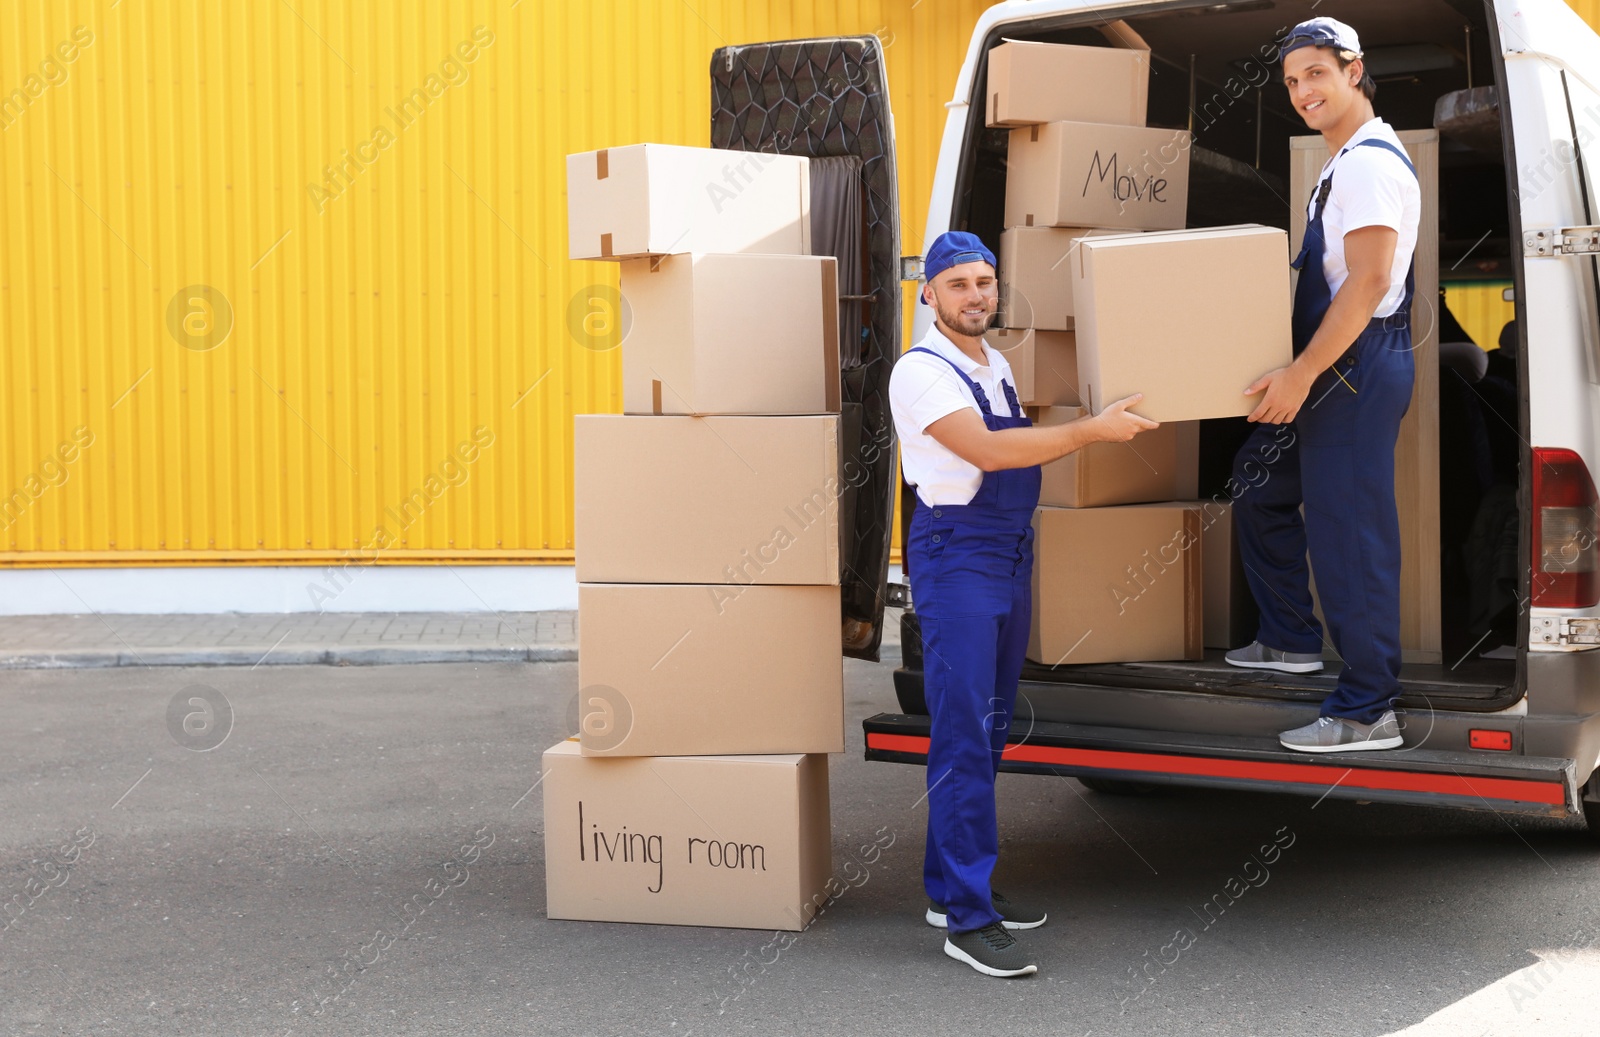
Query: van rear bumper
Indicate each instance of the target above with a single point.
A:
(1502, 782)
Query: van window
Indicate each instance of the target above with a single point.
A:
(1583, 115)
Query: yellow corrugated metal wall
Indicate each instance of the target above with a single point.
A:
(1481, 309)
(268, 266)
(284, 282)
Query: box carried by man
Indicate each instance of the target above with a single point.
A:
(1189, 318)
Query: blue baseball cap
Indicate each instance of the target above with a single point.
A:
(1322, 32)
(952, 248)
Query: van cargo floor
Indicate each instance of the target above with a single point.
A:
(1060, 692)
(1471, 684)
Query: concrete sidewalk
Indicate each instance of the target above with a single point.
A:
(300, 638)
(296, 638)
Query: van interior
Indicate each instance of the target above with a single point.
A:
(1436, 67)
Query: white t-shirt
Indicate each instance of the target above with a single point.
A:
(1371, 188)
(923, 389)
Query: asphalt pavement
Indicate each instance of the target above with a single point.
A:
(156, 880)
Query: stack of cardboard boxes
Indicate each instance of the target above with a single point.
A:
(1104, 294)
(709, 664)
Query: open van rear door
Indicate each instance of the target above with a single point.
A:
(1551, 92)
(829, 99)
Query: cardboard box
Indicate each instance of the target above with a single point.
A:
(1142, 470)
(1082, 174)
(691, 669)
(1044, 364)
(731, 334)
(1049, 82)
(736, 841)
(657, 199)
(1230, 618)
(728, 500)
(1189, 318)
(1116, 584)
(1188, 433)
(1035, 276)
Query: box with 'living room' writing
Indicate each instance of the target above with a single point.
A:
(726, 499)
(736, 841)
(1081, 174)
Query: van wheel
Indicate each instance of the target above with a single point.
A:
(908, 690)
(1121, 787)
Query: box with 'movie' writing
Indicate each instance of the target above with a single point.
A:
(1083, 174)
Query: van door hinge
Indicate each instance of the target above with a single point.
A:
(1553, 632)
(898, 596)
(910, 268)
(1568, 241)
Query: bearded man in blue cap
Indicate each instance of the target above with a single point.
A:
(974, 458)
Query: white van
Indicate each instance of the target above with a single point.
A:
(1513, 87)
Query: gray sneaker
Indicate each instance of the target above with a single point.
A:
(1340, 734)
(1257, 656)
(992, 951)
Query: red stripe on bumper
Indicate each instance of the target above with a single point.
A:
(1253, 770)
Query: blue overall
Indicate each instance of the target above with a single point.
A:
(1336, 458)
(971, 569)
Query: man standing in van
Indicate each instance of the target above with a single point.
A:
(974, 459)
(1345, 393)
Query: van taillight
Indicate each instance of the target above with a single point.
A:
(1566, 569)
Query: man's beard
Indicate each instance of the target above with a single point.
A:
(960, 323)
